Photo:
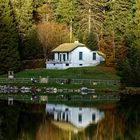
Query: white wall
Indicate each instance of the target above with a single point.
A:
(58, 66)
(87, 57)
(74, 59)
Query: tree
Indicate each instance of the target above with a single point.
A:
(51, 35)
(136, 25)
(118, 17)
(9, 55)
(91, 41)
(67, 13)
(44, 13)
(33, 49)
(128, 69)
(23, 14)
(91, 19)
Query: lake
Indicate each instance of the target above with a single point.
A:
(118, 120)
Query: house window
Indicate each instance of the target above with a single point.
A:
(67, 56)
(60, 57)
(64, 57)
(80, 55)
(93, 117)
(80, 118)
(67, 64)
(80, 108)
(94, 56)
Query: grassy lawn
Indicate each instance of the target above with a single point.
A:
(97, 72)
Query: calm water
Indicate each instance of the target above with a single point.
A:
(104, 121)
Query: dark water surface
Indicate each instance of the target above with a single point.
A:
(105, 121)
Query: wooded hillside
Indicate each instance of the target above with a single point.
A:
(30, 29)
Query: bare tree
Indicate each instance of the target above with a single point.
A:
(51, 35)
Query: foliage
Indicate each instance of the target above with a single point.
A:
(129, 68)
(51, 35)
(32, 48)
(129, 110)
(9, 119)
(32, 64)
(23, 14)
(91, 17)
(118, 20)
(44, 13)
(91, 41)
(66, 12)
(9, 55)
(35, 27)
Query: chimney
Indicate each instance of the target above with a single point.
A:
(76, 41)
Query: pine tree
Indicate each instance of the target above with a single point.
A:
(128, 69)
(136, 25)
(23, 13)
(9, 55)
(116, 25)
(67, 13)
(91, 41)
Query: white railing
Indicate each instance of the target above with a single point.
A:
(58, 62)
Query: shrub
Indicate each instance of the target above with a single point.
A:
(33, 64)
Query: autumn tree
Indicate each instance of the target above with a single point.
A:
(51, 35)
(44, 13)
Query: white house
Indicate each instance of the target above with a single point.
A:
(73, 55)
(80, 117)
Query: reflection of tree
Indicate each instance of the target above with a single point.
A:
(28, 126)
(129, 111)
(48, 131)
(91, 130)
(8, 121)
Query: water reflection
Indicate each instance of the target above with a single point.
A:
(119, 121)
(70, 123)
(78, 117)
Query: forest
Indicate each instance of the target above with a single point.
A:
(30, 29)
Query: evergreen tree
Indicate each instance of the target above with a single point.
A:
(129, 68)
(9, 55)
(91, 41)
(67, 13)
(91, 18)
(136, 25)
(32, 49)
(23, 12)
(119, 14)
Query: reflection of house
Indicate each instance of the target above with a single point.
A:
(78, 116)
(73, 55)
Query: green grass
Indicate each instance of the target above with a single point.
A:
(97, 72)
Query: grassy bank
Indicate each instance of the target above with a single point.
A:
(97, 72)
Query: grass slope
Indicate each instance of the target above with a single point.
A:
(97, 72)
